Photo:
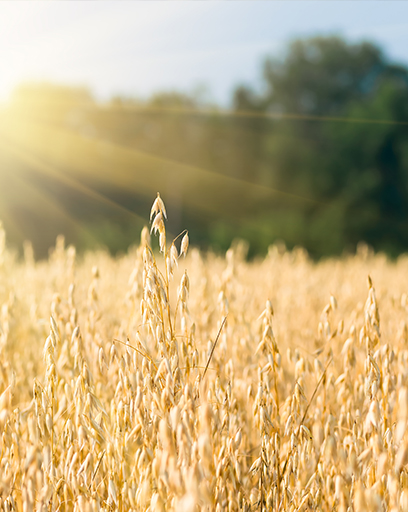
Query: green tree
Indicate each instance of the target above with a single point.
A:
(349, 178)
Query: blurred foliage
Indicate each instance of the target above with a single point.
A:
(316, 159)
(356, 172)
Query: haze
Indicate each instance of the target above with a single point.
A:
(137, 48)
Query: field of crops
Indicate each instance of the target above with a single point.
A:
(166, 381)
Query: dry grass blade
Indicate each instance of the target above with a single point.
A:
(213, 347)
(305, 414)
(97, 468)
(143, 354)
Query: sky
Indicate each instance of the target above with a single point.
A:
(136, 48)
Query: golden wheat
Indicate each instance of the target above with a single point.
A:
(153, 383)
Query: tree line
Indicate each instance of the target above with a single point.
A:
(315, 155)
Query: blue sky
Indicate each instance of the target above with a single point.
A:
(136, 48)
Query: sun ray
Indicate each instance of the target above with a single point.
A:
(47, 205)
(44, 168)
(241, 113)
(108, 165)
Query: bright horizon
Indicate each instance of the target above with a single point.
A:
(138, 48)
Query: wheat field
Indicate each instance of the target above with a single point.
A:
(169, 379)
